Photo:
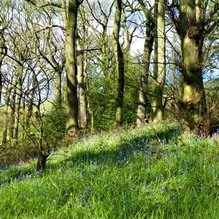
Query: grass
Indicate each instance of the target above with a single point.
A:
(152, 172)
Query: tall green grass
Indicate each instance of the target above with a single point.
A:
(152, 172)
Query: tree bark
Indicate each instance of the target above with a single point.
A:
(5, 127)
(192, 104)
(58, 91)
(3, 51)
(143, 103)
(17, 103)
(6, 117)
(119, 65)
(12, 113)
(160, 65)
(82, 91)
(71, 68)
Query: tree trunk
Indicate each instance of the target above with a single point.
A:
(160, 65)
(32, 82)
(17, 103)
(6, 114)
(2, 55)
(43, 151)
(58, 91)
(119, 64)
(105, 53)
(12, 112)
(71, 68)
(41, 161)
(192, 104)
(5, 127)
(143, 81)
(82, 93)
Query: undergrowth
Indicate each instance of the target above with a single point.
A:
(152, 172)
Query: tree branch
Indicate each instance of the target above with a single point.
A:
(47, 4)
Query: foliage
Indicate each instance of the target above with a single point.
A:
(101, 93)
(131, 92)
(152, 172)
(54, 126)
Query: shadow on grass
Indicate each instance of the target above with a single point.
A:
(147, 143)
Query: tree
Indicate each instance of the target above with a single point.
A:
(70, 21)
(143, 96)
(193, 22)
(71, 67)
(3, 51)
(82, 88)
(119, 57)
(159, 65)
(82, 78)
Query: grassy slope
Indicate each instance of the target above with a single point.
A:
(139, 173)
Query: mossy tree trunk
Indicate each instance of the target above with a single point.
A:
(192, 104)
(160, 63)
(71, 68)
(119, 64)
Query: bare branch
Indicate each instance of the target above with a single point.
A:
(47, 4)
(49, 27)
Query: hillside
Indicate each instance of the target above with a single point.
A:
(152, 172)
